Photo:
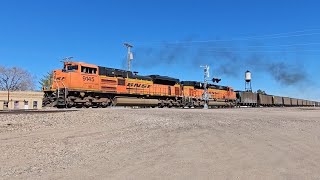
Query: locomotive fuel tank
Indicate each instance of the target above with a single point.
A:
(132, 101)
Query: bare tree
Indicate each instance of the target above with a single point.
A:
(15, 79)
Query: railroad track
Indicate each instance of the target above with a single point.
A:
(28, 111)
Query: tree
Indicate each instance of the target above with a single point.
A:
(46, 81)
(15, 79)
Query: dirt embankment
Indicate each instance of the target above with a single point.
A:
(271, 143)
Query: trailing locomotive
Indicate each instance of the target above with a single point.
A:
(80, 84)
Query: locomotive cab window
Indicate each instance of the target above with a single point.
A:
(88, 70)
(72, 68)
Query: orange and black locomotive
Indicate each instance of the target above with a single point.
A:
(80, 84)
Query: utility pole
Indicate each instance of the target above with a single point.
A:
(9, 98)
(205, 93)
(129, 55)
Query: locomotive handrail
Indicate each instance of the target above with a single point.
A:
(55, 80)
(65, 93)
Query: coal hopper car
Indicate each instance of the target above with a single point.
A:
(246, 98)
(286, 102)
(278, 101)
(265, 100)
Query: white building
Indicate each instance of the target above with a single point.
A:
(21, 100)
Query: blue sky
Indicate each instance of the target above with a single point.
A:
(172, 38)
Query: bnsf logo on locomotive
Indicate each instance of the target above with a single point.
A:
(138, 85)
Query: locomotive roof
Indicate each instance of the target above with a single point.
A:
(164, 78)
(200, 85)
(124, 73)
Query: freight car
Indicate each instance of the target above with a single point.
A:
(294, 102)
(80, 84)
(245, 98)
(286, 101)
(278, 101)
(304, 103)
(265, 100)
(251, 99)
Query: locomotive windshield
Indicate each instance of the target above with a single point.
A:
(88, 70)
(72, 68)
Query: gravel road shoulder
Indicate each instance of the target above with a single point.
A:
(252, 143)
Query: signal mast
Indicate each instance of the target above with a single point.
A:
(129, 55)
(205, 95)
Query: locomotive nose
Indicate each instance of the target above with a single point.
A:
(59, 79)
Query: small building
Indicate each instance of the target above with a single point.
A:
(21, 100)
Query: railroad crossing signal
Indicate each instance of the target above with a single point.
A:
(205, 93)
(129, 55)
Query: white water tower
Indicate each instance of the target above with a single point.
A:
(247, 77)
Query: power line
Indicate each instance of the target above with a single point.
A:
(284, 51)
(275, 45)
(286, 45)
(261, 37)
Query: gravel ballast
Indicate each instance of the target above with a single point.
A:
(119, 143)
